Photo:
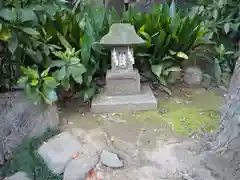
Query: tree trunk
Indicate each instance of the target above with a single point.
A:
(228, 138)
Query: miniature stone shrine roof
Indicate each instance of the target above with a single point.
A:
(121, 34)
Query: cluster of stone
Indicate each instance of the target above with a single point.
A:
(64, 154)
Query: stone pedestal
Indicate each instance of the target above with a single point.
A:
(121, 82)
(123, 91)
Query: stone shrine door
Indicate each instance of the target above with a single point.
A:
(122, 58)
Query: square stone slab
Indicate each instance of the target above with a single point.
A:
(125, 103)
(59, 151)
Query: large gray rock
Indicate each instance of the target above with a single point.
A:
(59, 151)
(78, 168)
(20, 118)
(18, 176)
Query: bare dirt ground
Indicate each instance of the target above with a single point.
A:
(159, 145)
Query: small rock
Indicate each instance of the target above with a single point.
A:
(187, 177)
(18, 176)
(110, 159)
(78, 168)
(58, 151)
(193, 76)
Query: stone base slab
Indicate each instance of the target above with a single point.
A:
(125, 103)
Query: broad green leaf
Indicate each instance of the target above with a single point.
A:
(1, 27)
(50, 82)
(162, 81)
(146, 36)
(86, 48)
(65, 83)
(165, 10)
(89, 93)
(226, 27)
(23, 80)
(173, 69)
(38, 58)
(50, 95)
(30, 31)
(161, 38)
(7, 14)
(58, 63)
(166, 58)
(63, 41)
(172, 52)
(61, 73)
(143, 55)
(30, 72)
(182, 55)
(5, 33)
(28, 90)
(235, 26)
(77, 69)
(98, 16)
(12, 43)
(215, 14)
(45, 72)
(157, 70)
(77, 72)
(172, 10)
(78, 78)
(74, 60)
(34, 82)
(141, 29)
(27, 14)
(194, 11)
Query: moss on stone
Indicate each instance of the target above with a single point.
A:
(185, 114)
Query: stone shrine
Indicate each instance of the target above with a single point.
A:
(123, 91)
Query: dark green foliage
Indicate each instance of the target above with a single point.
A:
(222, 18)
(26, 159)
(60, 42)
(170, 38)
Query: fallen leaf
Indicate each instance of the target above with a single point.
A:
(76, 155)
(143, 129)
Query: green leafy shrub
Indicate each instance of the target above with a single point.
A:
(17, 31)
(170, 37)
(60, 42)
(39, 86)
(221, 16)
(222, 19)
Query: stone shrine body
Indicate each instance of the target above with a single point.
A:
(123, 91)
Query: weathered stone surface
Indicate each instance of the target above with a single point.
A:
(20, 118)
(18, 176)
(125, 103)
(193, 76)
(78, 168)
(59, 151)
(110, 159)
(122, 82)
(121, 34)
